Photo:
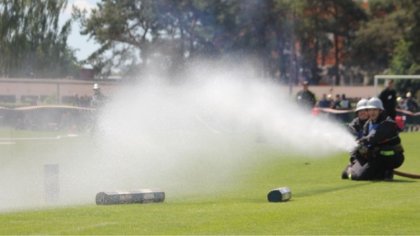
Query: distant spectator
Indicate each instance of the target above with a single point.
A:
(345, 103)
(305, 97)
(401, 103)
(98, 98)
(411, 103)
(336, 102)
(388, 97)
(325, 102)
(85, 101)
(76, 101)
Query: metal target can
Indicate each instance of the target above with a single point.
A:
(130, 197)
(279, 195)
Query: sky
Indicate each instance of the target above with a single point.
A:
(82, 44)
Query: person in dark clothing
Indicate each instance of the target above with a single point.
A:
(325, 102)
(305, 97)
(98, 99)
(411, 103)
(380, 147)
(345, 103)
(388, 97)
(356, 129)
(336, 102)
(356, 125)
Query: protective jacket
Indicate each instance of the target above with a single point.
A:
(383, 150)
(306, 98)
(356, 127)
(382, 133)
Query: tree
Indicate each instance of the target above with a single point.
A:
(32, 43)
(327, 24)
(373, 48)
(168, 33)
(145, 32)
(413, 7)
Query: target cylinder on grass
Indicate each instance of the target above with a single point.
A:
(140, 196)
(279, 195)
(51, 183)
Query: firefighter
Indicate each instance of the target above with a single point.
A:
(98, 98)
(305, 97)
(356, 128)
(356, 125)
(380, 150)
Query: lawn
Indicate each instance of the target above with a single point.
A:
(321, 203)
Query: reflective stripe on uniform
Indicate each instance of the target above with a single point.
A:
(387, 152)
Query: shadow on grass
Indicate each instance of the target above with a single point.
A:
(331, 189)
(361, 183)
(355, 184)
(403, 181)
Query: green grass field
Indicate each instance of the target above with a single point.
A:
(321, 203)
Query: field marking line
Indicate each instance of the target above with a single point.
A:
(8, 140)
(7, 143)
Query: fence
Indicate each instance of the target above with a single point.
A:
(47, 118)
(56, 117)
(410, 121)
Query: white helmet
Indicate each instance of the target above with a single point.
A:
(361, 105)
(375, 103)
(95, 86)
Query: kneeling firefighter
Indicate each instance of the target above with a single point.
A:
(355, 127)
(380, 147)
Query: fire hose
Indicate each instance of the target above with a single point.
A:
(408, 175)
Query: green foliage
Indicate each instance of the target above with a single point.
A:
(373, 47)
(401, 61)
(389, 40)
(381, 8)
(31, 42)
(414, 30)
(322, 19)
(291, 39)
(171, 33)
(321, 203)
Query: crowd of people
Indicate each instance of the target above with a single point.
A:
(97, 99)
(58, 118)
(341, 102)
(407, 103)
(307, 99)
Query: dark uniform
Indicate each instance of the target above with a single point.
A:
(356, 129)
(306, 98)
(380, 150)
(98, 99)
(412, 104)
(388, 97)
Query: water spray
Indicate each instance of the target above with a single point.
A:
(192, 137)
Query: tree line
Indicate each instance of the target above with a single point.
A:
(32, 42)
(291, 39)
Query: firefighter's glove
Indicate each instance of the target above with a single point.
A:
(363, 150)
